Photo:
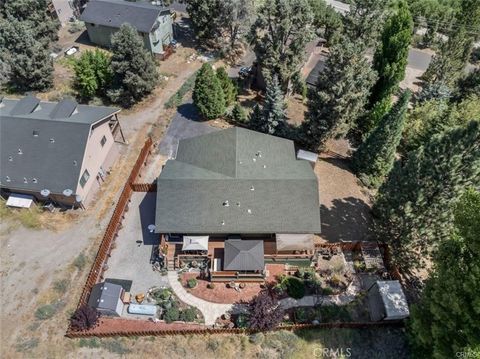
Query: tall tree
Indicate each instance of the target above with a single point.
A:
(28, 61)
(279, 36)
(205, 16)
(274, 109)
(413, 207)
(470, 84)
(236, 18)
(265, 311)
(364, 20)
(390, 60)
(228, 86)
(325, 17)
(208, 94)
(340, 95)
(375, 157)
(134, 71)
(446, 321)
(92, 73)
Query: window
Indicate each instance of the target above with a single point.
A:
(103, 141)
(84, 178)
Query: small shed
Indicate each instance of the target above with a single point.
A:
(311, 157)
(20, 200)
(107, 298)
(387, 301)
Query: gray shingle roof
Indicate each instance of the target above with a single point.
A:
(114, 13)
(243, 255)
(105, 296)
(39, 150)
(268, 190)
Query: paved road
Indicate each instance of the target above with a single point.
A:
(246, 61)
(338, 6)
(418, 59)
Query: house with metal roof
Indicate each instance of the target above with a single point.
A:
(246, 192)
(154, 23)
(55, 152)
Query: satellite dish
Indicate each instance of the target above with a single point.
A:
(151, 228)
(67, 192)
(45, 192)
(78, 198)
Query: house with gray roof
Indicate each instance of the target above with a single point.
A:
(154, 23)
(55, 151)
(243, 189)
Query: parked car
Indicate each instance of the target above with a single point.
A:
(244, 71)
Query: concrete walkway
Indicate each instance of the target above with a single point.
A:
(211, 311)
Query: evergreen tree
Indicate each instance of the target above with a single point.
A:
(236, 17)
(29, 62)
(340, 95)
(413, 207)
(469, 85)
(364, 20)
(228, 87)
(446, 321)
(390, 60)
(279, 36)
(205, 16)
(133, 68)
(208, 94)
(325, 17)
(255, 120)
(238, 114)
(375, 157)
(92, 73)
(274, 109)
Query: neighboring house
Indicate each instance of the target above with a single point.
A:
(62, 9)
(104, 17)
(239, 198)
(55, 151)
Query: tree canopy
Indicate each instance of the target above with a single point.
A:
(208, 94)
(279, 36)
(446, 321)
(92, 73)
(133, 68)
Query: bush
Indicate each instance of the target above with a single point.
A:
(241, 321)
(46, 311)
(89, 343)
(301, 315)
(92, 73)
(171, 314)
(210, 285)
(238, 114)
(334, 313)
(162, 294)
(327, 291)
(191, 283)
(61, 285)
(84, 318)
(256, 338)
(177, 98)
(80, 261)
(265, 312)
(295, 287)
(189, 314)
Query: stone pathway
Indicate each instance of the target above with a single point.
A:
(211, 311)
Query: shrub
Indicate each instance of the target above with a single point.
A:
(242, 321)
(189, 314)
(265, 312)
(92, 73)
(256, 338)
(238, 114)
(80, 261)
(61, 285)
(301, 315)
(327, 291)
(171, 314)
(191, 283)
(84, 318)
(359, 266)
(177, 98)
(210, 285)
(295, 287)
(46, 311)
(162, 294)
(334, 313)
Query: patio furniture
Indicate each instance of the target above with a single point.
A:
(126, 297)
(139, 298)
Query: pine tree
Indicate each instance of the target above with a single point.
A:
(274, 109)
(228, 87)
(446, 321)
(375, 157)
(205, 16)
(133, 68)
(390, 60)
(364, 20)
(340, 95)
(208, 94)
(413, 207)
(238, 114)
(279, 36)
(255, 120)
(469, 85)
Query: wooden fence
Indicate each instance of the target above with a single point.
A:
(144, 187)
(207, 330)
(98, 267)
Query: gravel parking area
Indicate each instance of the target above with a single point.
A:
(130, 259)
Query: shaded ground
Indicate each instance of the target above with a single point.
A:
(344, 204)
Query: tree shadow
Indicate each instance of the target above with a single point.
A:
(189, 111)
(147, 217)
(348, 219)
(83, 39)
(338, 161)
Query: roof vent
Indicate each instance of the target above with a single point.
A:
(35, 133)
(223, 223)
(258, 154)
(52, 140)
(226, 204)
(254, 159)
(238, 204)
(240, 162)
(7, 178)
(249, 211)
(74, 162)
(264, 166)
(252, 188)
(10, 158)
(25, 180)
(34, 180)
(20, 152)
